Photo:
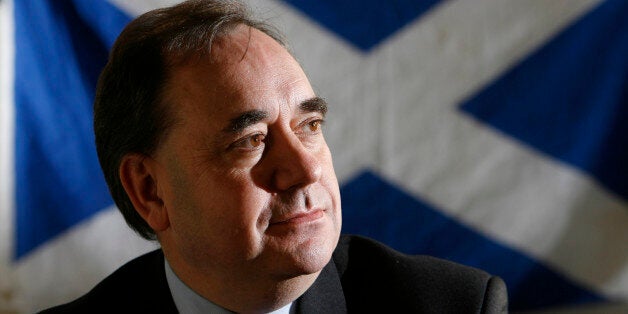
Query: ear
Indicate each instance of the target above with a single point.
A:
(139, 174)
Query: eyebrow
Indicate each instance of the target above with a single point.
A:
(246, 119)
(315, 104)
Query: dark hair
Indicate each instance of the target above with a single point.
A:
(130, 115)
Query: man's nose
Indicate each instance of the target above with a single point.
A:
(291, 163)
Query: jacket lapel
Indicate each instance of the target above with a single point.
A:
(325, 295)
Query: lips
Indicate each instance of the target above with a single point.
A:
(299, 218)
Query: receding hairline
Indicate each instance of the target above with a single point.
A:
(222, 40)
(214, 58)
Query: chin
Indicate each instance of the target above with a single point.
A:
(309, 257)
(315, 259)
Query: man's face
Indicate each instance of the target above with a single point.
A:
(245, 173)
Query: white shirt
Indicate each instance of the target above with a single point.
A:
(188, 301)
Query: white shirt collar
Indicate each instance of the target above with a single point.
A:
(188, 301)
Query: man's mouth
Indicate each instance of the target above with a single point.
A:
(299, 218)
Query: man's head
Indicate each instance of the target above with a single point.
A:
(130, 114)
(209, 135)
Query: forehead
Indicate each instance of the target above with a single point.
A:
(246, 70)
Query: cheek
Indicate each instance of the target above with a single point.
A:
(239, 228)
(234, 207)
(225, 221)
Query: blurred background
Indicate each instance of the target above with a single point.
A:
(487, 132)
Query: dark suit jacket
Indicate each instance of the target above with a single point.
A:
(363, 277)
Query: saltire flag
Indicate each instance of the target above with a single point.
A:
(486, 132)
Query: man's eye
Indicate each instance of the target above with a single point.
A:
(251, 142)
(312, 127)
(315, 125)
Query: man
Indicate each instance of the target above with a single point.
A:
(209, 135)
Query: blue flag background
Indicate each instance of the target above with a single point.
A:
(488, 132)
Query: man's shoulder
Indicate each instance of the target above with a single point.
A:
(355, 253)
(138, 285)
(370, 270)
